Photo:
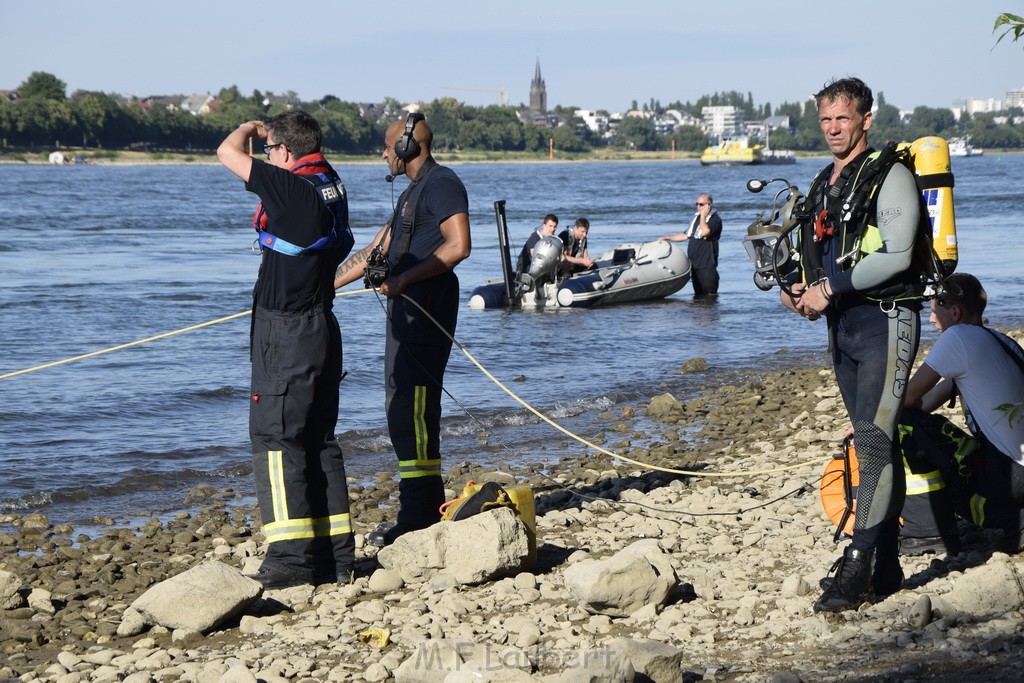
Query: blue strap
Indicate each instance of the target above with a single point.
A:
(268, 241)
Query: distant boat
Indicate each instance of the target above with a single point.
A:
(776, 156)
(961, 147)
(732, 153)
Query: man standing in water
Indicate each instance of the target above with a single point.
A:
(295, 348)
(702, 246)
(427, 236)
(855, 270)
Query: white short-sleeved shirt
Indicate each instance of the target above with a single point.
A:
(987, 377)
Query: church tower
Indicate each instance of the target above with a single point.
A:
(538, 93)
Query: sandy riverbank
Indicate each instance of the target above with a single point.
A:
(748, 551)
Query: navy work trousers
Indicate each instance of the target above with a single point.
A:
(297, 462)
(415, 357)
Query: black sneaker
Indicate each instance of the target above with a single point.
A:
(885, 582)
(271, 579)
(387, 533)
(929, 544)
(851, 584)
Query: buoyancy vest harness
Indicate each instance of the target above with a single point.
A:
(847, 208)
(403, 220)
(315, 170)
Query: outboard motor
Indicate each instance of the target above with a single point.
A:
(546, 256)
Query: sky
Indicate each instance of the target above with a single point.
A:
(593, 55)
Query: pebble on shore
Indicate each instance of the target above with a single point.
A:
(720, 576)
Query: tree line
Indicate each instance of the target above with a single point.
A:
(43, 116)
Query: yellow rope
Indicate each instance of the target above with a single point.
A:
(143, 341)
(468, 355)
(583, 441)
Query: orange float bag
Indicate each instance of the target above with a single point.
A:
(838, 489)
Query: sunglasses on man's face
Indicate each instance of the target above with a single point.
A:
(948, 289)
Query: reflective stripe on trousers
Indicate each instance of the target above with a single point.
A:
(925, 482)
(297, 462)
(423, 465)
(284, 528)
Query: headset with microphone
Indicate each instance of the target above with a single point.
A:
(406, 148)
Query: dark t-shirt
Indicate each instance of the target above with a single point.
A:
(297, 214)
(442, 197)
(703, 252)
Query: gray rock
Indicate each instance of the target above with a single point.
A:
(132, 623)
(659, 662)
(185, 636)
(138, 677)
(663, 405)
(375, 673)
(385, 581)
(596, 665)
(10, 598)
(40, 601)
(992, 588)
(198, 599)
(495, 675)
(441, 582)
(920, 613)
(795, 586)
(525, 580)
(489, 545)
(785, 677)
(456, 661)
(639, 575)
(431, 661)
(693, 365)
(238, 673)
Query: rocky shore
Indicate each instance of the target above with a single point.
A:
(641, 574)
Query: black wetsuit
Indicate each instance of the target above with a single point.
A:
(873, 343)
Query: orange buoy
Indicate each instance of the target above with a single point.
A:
(838, 489)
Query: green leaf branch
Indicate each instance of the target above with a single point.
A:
(1011, 24)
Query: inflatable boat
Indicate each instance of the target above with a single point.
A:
(629, 272)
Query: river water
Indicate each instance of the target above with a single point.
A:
(97, 256)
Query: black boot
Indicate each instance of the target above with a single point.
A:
(851, 585)
(887, 575)
(387, 533)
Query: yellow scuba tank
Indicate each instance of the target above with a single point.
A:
(935, 178)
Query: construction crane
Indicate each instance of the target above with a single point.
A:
(502, 93)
